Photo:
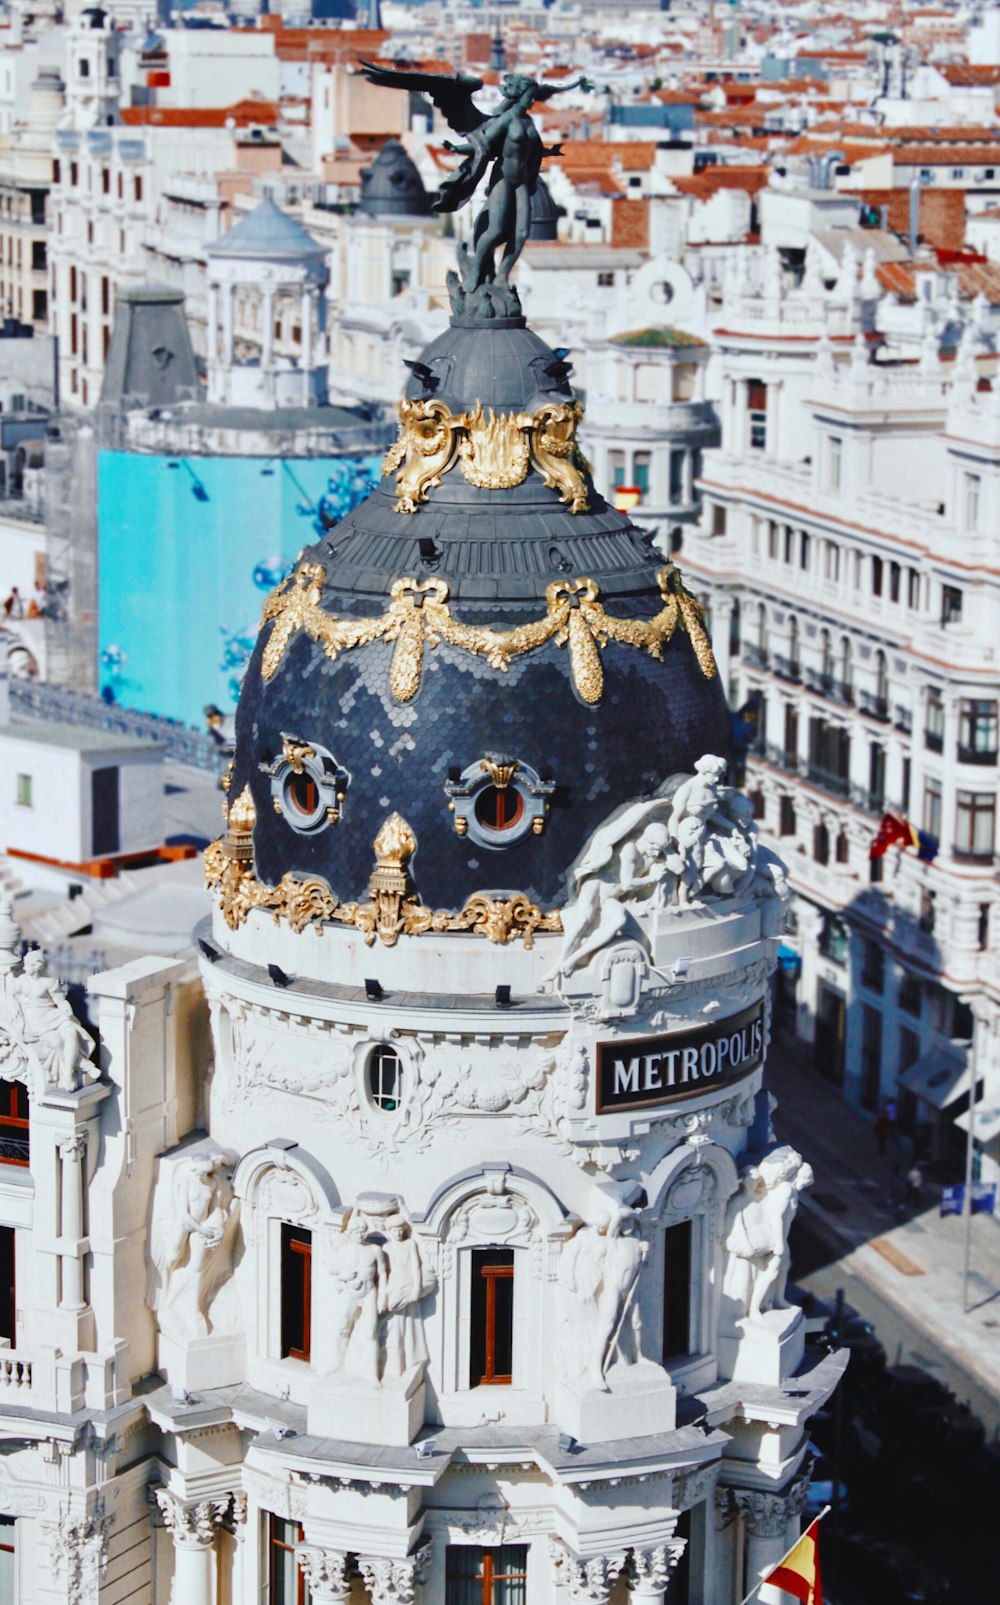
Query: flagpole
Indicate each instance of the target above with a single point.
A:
(969, 1151)
(759, 1585)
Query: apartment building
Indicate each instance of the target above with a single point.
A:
(25, 182)
(848, 553)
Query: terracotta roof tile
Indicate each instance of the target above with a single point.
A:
(242, 114)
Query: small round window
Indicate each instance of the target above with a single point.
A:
(308, 785)
(499, 808)
(385, 1078)
(302, 795)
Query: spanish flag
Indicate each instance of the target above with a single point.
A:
(798, 1573)
(894, 828)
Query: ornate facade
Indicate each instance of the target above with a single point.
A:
(427, 1240)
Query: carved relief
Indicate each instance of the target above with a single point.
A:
(77, 1548)
(378, 1281)
(589, 1582)
(42, 1043)
(193, 1234)
(693, 841)
(394, 1582)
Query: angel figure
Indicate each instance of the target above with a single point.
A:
(507, 137)
(191, 1243)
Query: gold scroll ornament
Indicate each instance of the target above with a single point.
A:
(495, 451)
(393, 909)
(418, 616)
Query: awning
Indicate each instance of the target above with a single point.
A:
(987, 1123)
(938, 1078)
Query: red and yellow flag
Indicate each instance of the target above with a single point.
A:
(798, 1573)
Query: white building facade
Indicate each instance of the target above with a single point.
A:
(847, 555)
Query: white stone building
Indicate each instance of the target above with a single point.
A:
(848, 556)
(428, 1238)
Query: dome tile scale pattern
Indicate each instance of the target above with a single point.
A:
(497, 561)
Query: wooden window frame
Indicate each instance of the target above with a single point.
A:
(487, 1573)
(13, 1098)
(291, 1244)
(492, 1274)
(275, 1546)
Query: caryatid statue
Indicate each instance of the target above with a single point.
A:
(599, 1271)
(509, 139)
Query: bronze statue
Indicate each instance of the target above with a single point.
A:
(509, 139)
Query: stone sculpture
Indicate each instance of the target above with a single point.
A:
(409, 1281)
(693, 841)
(758, 1221)
(509, 140)
(599, 1273)
(380, 1279)
(42, 1043)
(359, 1273)
(192, 1243)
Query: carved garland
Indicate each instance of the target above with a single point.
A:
(418, 616)
(494, 451)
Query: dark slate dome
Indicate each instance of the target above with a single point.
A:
(392, 186)
(497, 551)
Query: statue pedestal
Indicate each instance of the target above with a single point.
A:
(216, 1361)
(765, 1349)
(642, 1400)
(389, 1413)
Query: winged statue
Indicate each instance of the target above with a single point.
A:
(509, 140)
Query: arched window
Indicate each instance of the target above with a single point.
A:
(734, 629)
(881, 677)
(761, 628)
(384, 1078)
(793, 646)
(826, 654)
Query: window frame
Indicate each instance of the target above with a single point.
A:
(501, 1269)
(275, 1546)
(485, 1570)
(385, 1102)
(296, 1240)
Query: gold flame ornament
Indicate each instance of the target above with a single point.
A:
(393, 909)
(418, 617)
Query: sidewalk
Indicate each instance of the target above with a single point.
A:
(914, 1261)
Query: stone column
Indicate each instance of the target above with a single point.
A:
(687, 485)
(326, 1572)
(307, 315)
(649, 1571)
(393, 1582)
(765, 1520)
(267, 328)
(192, 1528)
(71, 1152)
(212, 325)
(228, 316)
(722, 612)
(589, 1582)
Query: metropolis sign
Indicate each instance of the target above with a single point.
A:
(637, 1071)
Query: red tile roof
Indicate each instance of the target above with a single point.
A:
(243, 114)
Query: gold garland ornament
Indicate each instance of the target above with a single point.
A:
(393, 909)
(418, 616)
(494, 451)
